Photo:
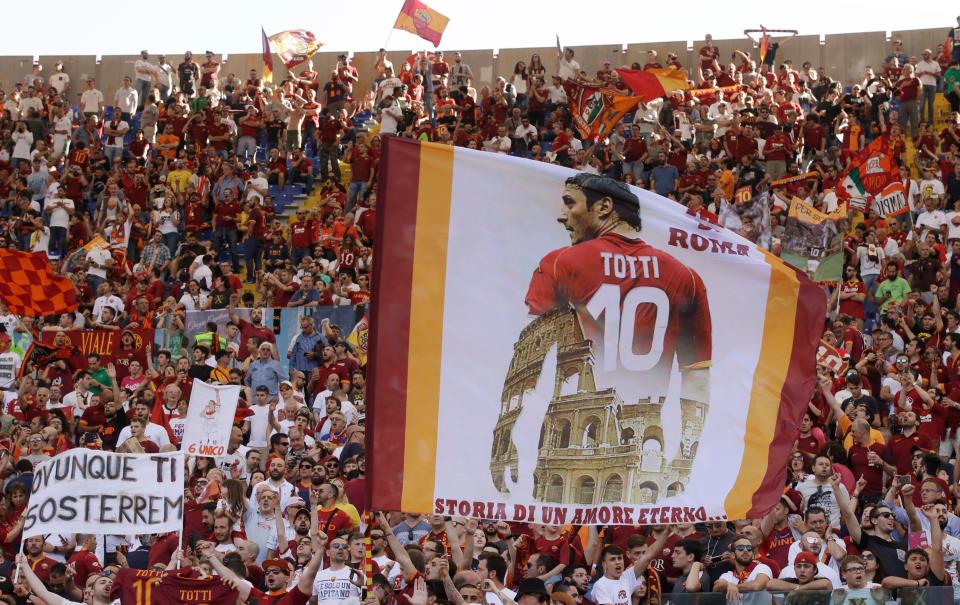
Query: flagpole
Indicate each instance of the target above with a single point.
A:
(182, 518)
(16, 575)
(387, 41)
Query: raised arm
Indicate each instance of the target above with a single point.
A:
(399, 552)
(37, 585)
(846, 509)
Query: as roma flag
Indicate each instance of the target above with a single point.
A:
(654, 83)
(29, 287)
(597, 109)
(295, 46)
(267, 56)
(418, 18)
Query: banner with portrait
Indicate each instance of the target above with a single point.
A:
(209, 419)
(630, 364)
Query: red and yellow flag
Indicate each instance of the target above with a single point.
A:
(654, 83)
(29, 287)
(418, 18)
(295, 46)
(267, 57)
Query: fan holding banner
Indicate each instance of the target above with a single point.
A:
(209, 418)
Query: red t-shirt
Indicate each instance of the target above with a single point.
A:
(361, 167)
(910, 89)
(860, 466)
(900, 450)
(600, 272)
(777, 545)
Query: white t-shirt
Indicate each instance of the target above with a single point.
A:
(870, 266)
(64, 122)
(608, 591)
(144, 70)
(9, 366)
(568, 69)
(77, 402)
(60, 81)
(258, 426)
(750, 598)
(931, 66)
(103, 301)
(91, 101)
(153, 432)
(334, 587)
(22, 141)
(930, 187)
(59, 217)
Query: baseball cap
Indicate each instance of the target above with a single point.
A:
(806, 557)
(276, 563)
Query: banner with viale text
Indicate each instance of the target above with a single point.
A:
(96, 492)
(558, 347)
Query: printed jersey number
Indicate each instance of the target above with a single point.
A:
(143, 589)
(619, 326)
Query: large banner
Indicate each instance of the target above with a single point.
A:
(114, 346)
(629, 364)
(209, 418)
(90, 491)
(813, 240)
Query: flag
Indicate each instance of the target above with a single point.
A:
(654, 83)
(869, 172)
(267, 57)
(597, 109)
(39, 355)
(828, 355)
(29, 287)
(764, 45)
(891, 202)
(418, 18)
(358, 338)
(624, 355)
(294, 46)
(96, 242)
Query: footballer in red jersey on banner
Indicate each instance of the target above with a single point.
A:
(619, 325)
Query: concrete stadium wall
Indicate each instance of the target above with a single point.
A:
(844, 56)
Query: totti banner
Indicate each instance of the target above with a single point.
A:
(209, 418)
(560, 348)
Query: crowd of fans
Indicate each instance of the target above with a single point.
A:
(168, 195)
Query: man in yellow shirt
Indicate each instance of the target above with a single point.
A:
(178, 178)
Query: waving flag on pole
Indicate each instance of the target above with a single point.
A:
(295, 46)
(267, 57)
(654, 83)
(418, 18)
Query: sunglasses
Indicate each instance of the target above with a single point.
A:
(884, 515)
(868, 557)
(338, 546)
(743, 548)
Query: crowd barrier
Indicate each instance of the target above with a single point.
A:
(937, 595)
(843, 56)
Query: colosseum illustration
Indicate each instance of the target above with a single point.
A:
(593, 446)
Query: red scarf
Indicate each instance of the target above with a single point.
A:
(743, 575)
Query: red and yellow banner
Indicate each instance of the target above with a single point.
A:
(418, 18)
(534, 386)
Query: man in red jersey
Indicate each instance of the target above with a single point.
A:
(278, 595)
(653, 307)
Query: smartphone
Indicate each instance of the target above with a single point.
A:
(903, 479)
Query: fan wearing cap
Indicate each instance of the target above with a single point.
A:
(604, 270)
(747, 576)
(532, 591)
(804, 576)
(778, 532)
(812, 543)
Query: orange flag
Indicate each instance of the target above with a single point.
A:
(29, 287)
(597, 109)
(418, 18)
